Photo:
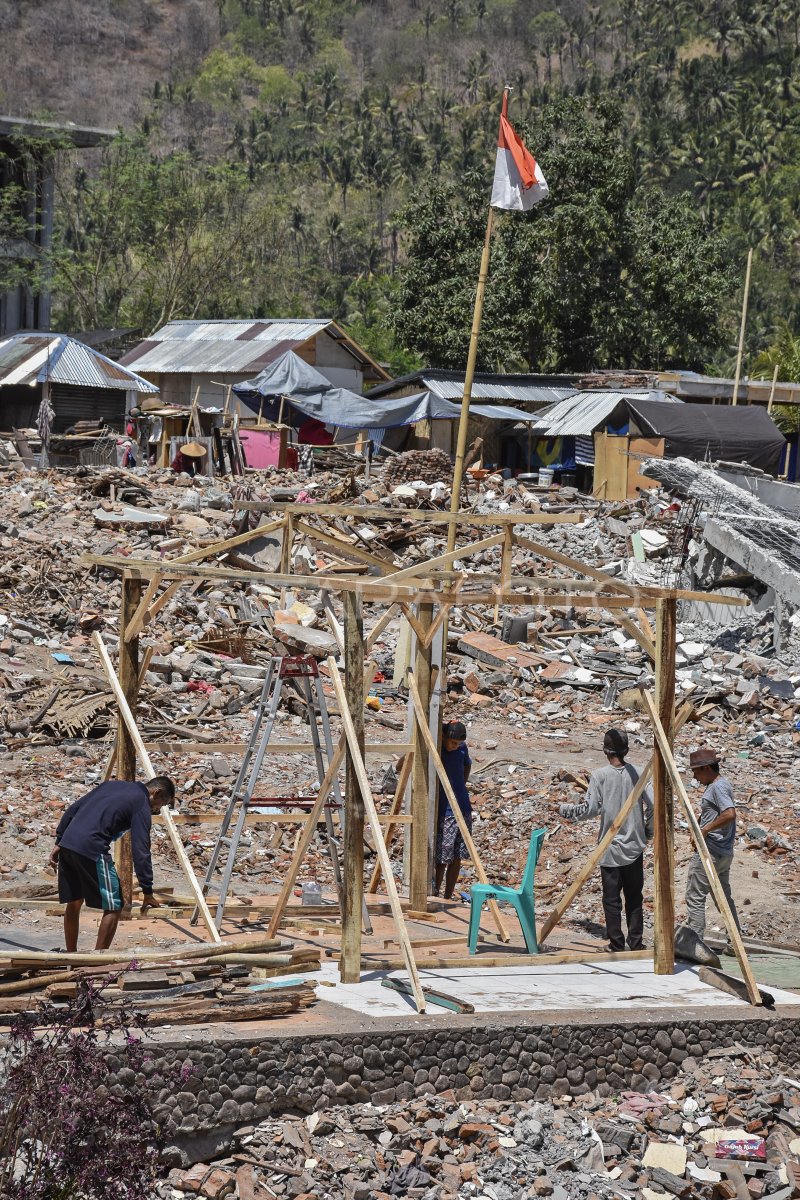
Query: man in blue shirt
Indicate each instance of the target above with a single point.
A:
(718, 826)
(81, 854)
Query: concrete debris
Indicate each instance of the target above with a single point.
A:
(722, 1119)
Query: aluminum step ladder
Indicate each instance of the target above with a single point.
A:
(302, 672)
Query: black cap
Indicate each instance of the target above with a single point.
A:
(615, 741)
(455, 730)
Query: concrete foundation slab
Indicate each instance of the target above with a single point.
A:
(572, 988)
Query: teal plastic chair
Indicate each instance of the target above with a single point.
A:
(520, 898)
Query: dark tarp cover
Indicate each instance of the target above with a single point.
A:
(313, 395)
(710, 432)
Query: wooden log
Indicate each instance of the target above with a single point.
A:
(663, 809)
(422, 725)
(144, 757)
(372, 817)
(420, 872)
(125, 955)
(702, 849)
(592, 861)
(353, 838)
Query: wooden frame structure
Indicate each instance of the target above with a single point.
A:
(416, 592)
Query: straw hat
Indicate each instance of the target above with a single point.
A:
(193, 450)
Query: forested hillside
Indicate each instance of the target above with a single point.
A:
(334, 157)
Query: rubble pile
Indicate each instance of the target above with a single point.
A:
(429, 466)
(535, 691)
(725, 1127)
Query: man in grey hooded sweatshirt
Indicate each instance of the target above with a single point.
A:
(622, 865)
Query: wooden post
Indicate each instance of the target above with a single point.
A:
(126, 750)
(772, 390)
(742, 327)
(419, 882)
(353, 841)
(663, 806)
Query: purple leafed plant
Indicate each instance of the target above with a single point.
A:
(67, 1128)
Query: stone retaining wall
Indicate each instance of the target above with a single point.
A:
(237, 1082)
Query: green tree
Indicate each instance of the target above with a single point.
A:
(601, 274)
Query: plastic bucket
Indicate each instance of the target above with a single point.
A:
(545, 476)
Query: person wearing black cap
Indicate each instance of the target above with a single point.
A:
(622, 865)
(450, 848)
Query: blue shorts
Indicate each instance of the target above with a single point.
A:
(95, 882)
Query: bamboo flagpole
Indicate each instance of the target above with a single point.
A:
(518, 185)
(742, 327)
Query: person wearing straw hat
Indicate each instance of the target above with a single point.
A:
(189, 459)
(622, 865)
(718, 827)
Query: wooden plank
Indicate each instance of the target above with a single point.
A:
(542, 590)
(575, 564)
(700, 844)
(135, 623)
(380, 625)
(663, 808)
(420, 874)
(372, 817)
(163, 600)
(422, 724)
(634, 631)
(483, 961)
(144, 758)
(276, 818)
(126, 751)
(178, 747)
(126, 954)
(593, 860)
(441, 616)
(353, 837)
(394, 815)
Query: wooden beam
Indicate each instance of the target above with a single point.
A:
(164, 599)
(440, 618)
(574, 564)
(144, 758)
(178, 747)
(125, 954)
(394, 815)
(111, 761)
(136, 621)
(488, 961)
(126, 751)
(597, 853)
(543, 590)
(705, 856)
(422, 724)
(275, 818)
(372, 817)
(353, 838)
(374, 512)
(420, 876)
(663, 808)
(635, 631)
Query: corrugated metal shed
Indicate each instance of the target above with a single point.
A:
(232, 347)
(584, 412)
(29, 358)
(530, 393)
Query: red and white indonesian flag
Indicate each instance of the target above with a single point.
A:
(518, 179)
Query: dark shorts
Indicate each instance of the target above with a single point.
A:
(81, 878)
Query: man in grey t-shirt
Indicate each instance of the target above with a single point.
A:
(718, 826)
(622, 865)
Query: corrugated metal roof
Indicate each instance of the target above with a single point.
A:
(530, 393)
(28, 358)
(582, 413)
(229, 347)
